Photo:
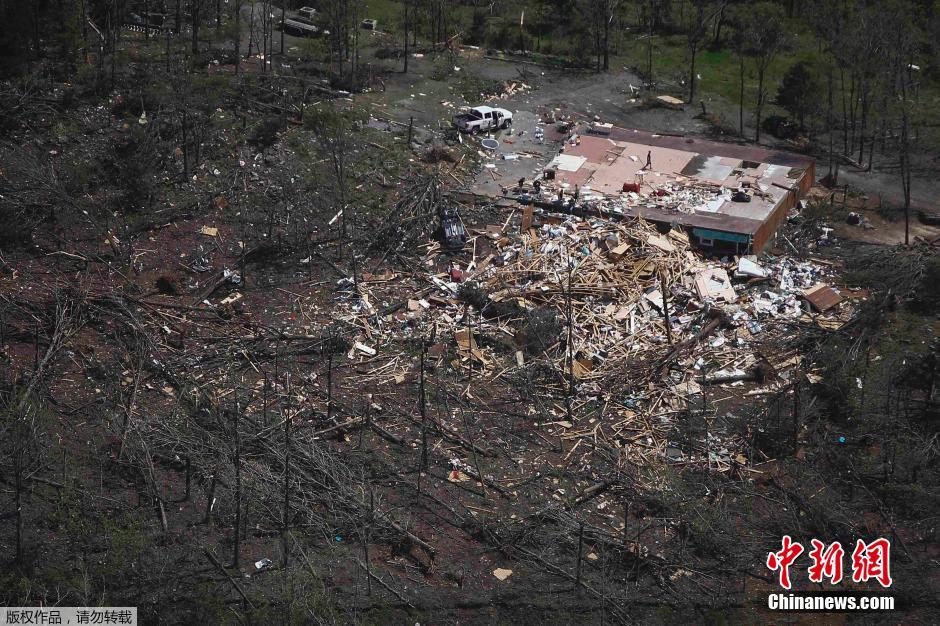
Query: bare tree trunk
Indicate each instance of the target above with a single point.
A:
(196, 5)
(286, 521)
(423, 404)
(473, 449)
(569, 347)
(719, 22)
(741, 103)
(355, 55)
(649, 47)
(262, 38)
(845, 112)
(664, 288)
(760, 102)
(37, 47)
(185, 147)
(598, 53)
(608, 17)
(521, 32)
(18, 500)
(189, 478)
(577, 576)
(210, 500)
(866, 97)
(853, 110)
(365, 541)
(236, 547)
(906, 164)
(796, 410)
(251, 27)
(112, 35)
(405, 6)
(904, 76)
(84, 20)
(147, 20)
(829, 125)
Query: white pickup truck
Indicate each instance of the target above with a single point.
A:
(483, 118)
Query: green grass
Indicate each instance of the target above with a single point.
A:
(387, 12)
(389, 15)
(719, 69)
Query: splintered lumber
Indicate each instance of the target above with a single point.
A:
(353, 423)
(592, 492)
(486, 481)
(454, 437)
(626, 302)
(386, 435)
(414, 539)
(228, 577)
(670, 102)
(211, 288)
(822, 297)
(719, 318)
(385, 585)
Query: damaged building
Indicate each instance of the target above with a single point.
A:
(728, 198)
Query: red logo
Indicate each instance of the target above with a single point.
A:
(869, 561)
(872, 560)
(826, 563)
(783, 559)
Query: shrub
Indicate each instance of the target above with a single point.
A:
(264, 134)
(539, 331)
(926, 297)
(132, 166)
(442, 69)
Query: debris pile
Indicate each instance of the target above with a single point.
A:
(509, 89)
(618, 310)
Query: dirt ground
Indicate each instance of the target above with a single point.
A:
(878, 226)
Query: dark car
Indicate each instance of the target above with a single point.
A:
(453, 233)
